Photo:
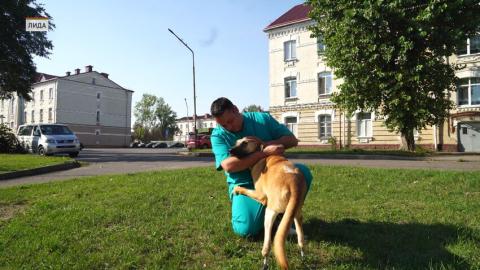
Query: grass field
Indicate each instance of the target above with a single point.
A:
(355, 218)
(17, 162)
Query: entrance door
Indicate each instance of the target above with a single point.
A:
(469, 136)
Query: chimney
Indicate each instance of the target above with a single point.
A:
(104, 74)
(77, 71)
(68, 73)
(88, 68)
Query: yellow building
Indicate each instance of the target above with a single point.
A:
(301, 84)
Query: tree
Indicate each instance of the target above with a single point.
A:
(166, 119)
(145, 111)
(17, 47)
(253, 108)
(391, 56)
(155, 119)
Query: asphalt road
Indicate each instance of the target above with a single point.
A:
(124, 160)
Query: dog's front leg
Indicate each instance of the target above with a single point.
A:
(270, 216)
(254, 194)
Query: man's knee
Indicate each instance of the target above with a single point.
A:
(306, 173)
(245, 228)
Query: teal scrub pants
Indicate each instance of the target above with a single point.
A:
(248, 214)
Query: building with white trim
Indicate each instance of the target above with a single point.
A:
(301, 84)
(96, 108)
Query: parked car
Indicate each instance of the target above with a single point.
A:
(134, 144)
(203, 141)
(48, 139)
(150, 144)
(177, 145)
(141, 145)
(160, 145)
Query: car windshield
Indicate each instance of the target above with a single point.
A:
(55, 130)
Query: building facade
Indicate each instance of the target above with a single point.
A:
(185, 126)
(97, 109)
(301, 84)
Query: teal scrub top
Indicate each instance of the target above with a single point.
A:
(259, 124)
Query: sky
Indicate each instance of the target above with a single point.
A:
(130, 41)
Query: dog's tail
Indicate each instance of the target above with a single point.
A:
(294, 203)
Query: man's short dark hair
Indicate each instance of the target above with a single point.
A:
(220, 105)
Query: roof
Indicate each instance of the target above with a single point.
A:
(40, 77)
(204, 117)
(298, 13)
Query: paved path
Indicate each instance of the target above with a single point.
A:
(119, 161)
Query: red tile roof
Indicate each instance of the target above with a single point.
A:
(298, 13)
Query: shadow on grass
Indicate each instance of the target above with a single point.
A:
(394, 246)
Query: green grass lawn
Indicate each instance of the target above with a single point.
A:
(354, 218)
(17, 162)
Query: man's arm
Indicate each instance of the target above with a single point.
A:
(234, 164)
(286, 141)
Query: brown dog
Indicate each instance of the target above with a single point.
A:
(281, 187)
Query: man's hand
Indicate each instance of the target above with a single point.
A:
(276, 149)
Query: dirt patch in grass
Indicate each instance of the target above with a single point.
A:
(8, 211)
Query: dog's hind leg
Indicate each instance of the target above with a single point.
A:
(298, 227)
(270, 216)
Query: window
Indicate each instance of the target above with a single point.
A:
(41, 95)
(25, 117)
(98, 116)
(468, 92)
(320, 45)
(50, 112)
(325, 126)
(290, 87)
(41, 115)
(33, 97)
(12, 105)
(364, 124)
(471, 46)
(211, 124)
(33, 116)
(50, 93)
(97, 132)
(98, 95)
(93, 80)
(325, 83)
(289, 50)
(291, 123)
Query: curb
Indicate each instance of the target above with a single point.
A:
(316, 156)
(41, 170)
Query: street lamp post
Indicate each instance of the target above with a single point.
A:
(188, 122)
(194, 94)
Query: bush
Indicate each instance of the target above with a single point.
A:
(8, 141)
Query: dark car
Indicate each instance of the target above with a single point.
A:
(150, 145)
(134, 144)
(160, 145)
(177, 145)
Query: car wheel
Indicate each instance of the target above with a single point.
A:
(72, 155)
(41, 151)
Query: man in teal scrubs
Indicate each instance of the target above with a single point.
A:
(247, 214)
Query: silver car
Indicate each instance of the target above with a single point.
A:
(48, 139)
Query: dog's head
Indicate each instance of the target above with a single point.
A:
(244, 147)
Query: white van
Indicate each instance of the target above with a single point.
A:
(48, 139)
